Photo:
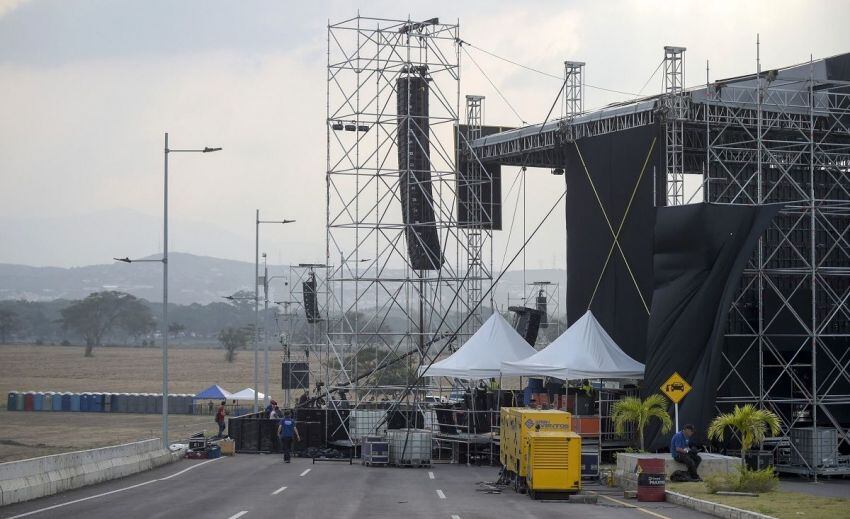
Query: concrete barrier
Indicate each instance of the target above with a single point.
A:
(38, 477)
(625, 476)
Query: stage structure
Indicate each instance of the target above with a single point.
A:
(409, 229)
(779, 136)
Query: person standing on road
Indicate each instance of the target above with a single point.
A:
(219, 419)
(287, 430)
(680, 449)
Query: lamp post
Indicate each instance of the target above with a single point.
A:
(257, 307)
(164, 261)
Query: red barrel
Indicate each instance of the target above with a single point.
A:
(651, 479)
(28, 405)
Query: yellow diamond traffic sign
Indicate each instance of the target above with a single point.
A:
(675, 388)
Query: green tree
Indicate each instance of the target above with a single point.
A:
(98, 314)
(233, 339)
(9, 324)
(639, 412)
(751, 424)
(176, 329)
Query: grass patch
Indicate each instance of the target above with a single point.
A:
(783, 505)
(758, 481)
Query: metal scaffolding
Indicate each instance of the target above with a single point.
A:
(675, 107)
(382, 310)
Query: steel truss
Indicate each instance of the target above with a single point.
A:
(789, 324)
(381, 310)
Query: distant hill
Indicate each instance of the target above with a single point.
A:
(192, 279)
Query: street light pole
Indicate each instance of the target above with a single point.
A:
(165, 298)
(257, 312)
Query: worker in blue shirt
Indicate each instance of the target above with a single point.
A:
(286, 430)
(680, 449)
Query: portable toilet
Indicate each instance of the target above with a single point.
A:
(12, 401)
(137, 403)
(119, 403)
(96, 402)
(28, 398)
(107, 402)
(75, 402)
(37, 401)
(85, 402)
(158, 403)
(132, 403)
(47, 405)
(187, 403)
(57, 401)
(19, 402)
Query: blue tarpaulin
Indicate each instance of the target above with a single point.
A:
(214, 392)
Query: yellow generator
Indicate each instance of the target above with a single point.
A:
(518, 425)
(554, 463)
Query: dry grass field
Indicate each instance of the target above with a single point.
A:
(131, 370)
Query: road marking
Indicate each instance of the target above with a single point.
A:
(629, 505)
(305, 472)
(278, 491)
(441, 494)
(237, 516)
(84, 499)
(455, 517)
(188, 469)
(103, 494)
(431, 475)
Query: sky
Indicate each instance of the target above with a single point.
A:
(90, 87)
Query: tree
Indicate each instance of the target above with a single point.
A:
(95, 316)
(233, 339)
(176, 328)
(751, 424)
(9, 324)
(636, 411)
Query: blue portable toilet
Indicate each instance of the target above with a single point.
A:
(12, 401)
(187, 403)
(85, 402)
(96, 402)
(119, 403)
(19, 403)
(158, 403)
(107, 402)
(137, 403)
(47, 404)
(37, 401)
(57, 402)
(75, 402)
(66, 401)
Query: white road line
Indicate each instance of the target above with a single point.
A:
(305, 472)
(60, 505)
(189, 468)
(278, 491)
(83, 499)
(237, 516)
(431, 475)
(441, 494)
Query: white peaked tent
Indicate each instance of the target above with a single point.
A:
(247, 394)
(583, 351)
(482, 355)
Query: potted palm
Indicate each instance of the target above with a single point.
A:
(633, 410)
(750, 423)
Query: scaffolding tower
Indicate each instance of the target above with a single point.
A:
(675, 107)
(393, 104)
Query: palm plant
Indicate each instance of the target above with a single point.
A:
(752, 425)
(636, 411)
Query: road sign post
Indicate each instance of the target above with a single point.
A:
(675, 388)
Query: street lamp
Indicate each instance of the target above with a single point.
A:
(164, 261)
(257, 309)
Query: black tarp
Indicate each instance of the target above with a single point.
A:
(700, 251)
(614, 162)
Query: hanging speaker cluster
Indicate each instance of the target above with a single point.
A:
(414, 164)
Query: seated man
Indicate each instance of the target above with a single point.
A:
(681, 451)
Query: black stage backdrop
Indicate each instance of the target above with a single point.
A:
(700, 252)
(614, 162)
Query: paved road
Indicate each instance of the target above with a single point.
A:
(259, 486)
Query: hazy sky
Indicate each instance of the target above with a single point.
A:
(89, 87)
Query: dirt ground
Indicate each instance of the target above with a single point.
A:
(118, 370)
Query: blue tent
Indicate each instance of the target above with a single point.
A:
(214, 392)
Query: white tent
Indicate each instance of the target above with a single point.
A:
(247, 394)
(482, 355)
(584, 350)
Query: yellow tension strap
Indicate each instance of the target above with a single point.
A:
(616, 235)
